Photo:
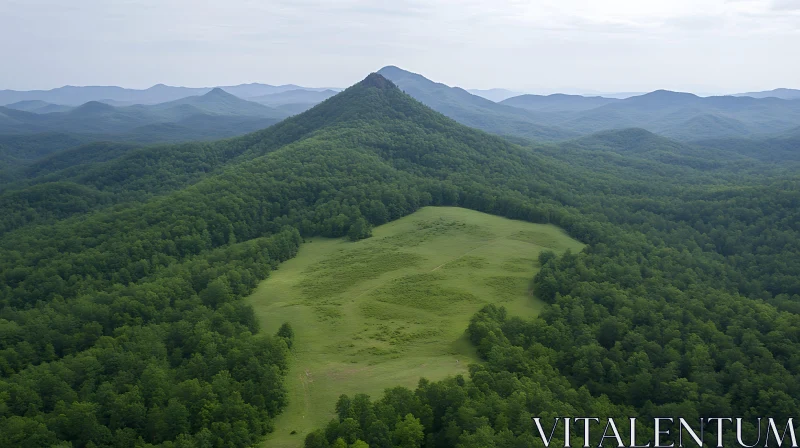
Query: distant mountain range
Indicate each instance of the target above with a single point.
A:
(118, 96)
(683, 116)
(472, 110)
(784, 94)
(216, 114)
(558, 102)
(167, 113)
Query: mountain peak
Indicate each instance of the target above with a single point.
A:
(219, 94)
(378, 81)
(669, 94)
(94, 107)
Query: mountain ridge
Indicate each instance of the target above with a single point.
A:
(472, 110)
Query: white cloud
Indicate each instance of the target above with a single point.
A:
(604, 45)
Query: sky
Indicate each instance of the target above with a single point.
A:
(702, 46)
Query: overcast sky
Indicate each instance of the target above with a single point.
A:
(536, 45)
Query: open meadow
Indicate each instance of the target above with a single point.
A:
(385, 311)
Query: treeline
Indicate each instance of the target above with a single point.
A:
(174, 359)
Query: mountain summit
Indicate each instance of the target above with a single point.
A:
(378, 81)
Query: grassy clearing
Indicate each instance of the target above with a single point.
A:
(388, 310)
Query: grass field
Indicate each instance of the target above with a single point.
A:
(390, 309)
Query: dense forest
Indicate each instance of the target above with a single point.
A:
(122, 271)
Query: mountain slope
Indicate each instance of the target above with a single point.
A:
(776, 150)
(472, 110)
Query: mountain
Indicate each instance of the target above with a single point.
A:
(73, 96)
(785, 94)
(216, 114)
(219, 102)
(117, 96)
(38, 107)
(558, 102)
(296, 96)
(496, 95)
(472, 110)
(686, 116)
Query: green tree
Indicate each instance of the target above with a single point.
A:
(409, 433)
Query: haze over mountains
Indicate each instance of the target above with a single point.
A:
(784, 94)
(160, 93)
(179, 119)
(173, 114)
(683, 116)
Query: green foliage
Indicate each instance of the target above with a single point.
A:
(359, 230)
(286, 333)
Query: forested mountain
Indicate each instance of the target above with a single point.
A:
(159, 93)
(775, 150)
(786, 94)
(122, 322)
(558, 102)
(472, 110)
